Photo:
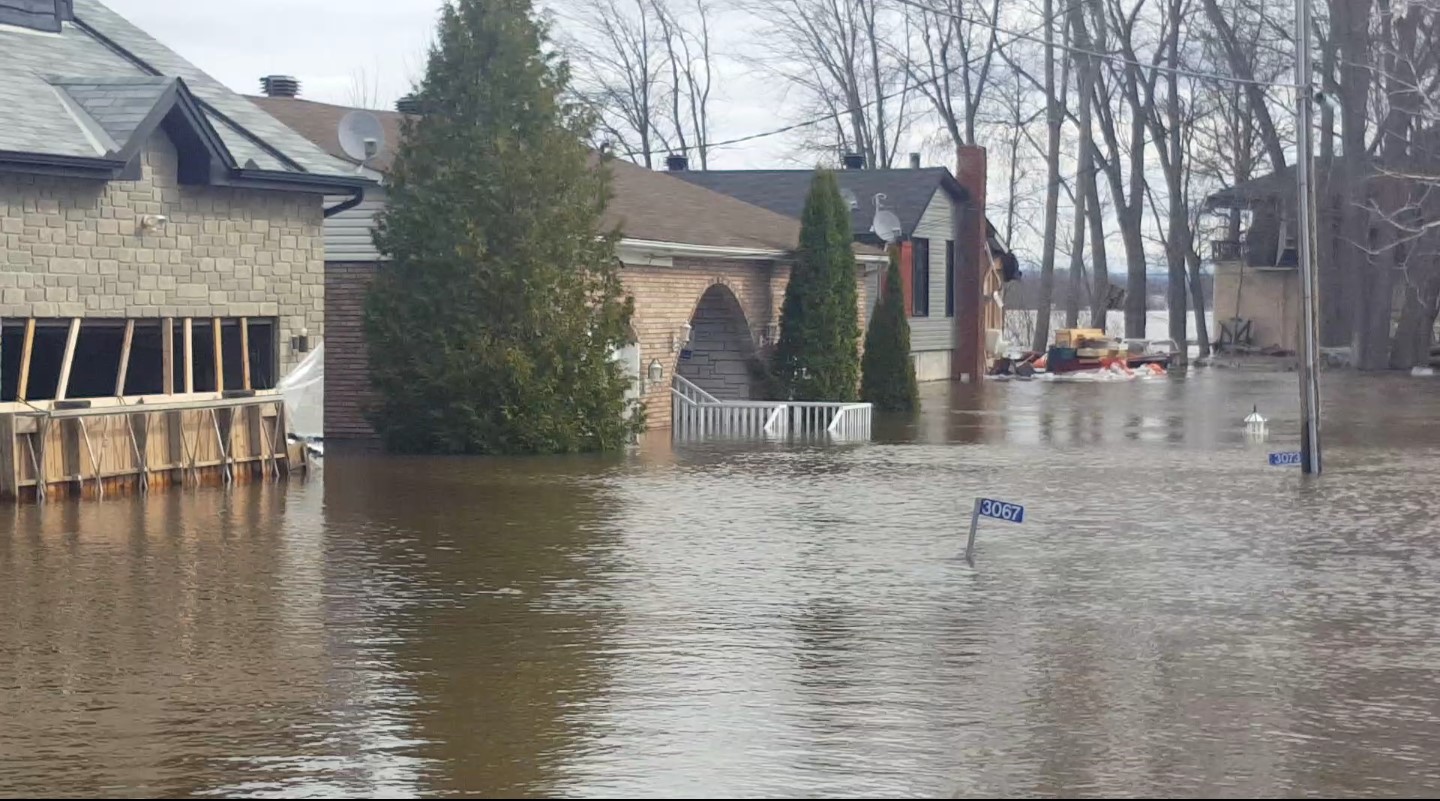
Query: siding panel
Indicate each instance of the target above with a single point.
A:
(936, 332)
(348, 234)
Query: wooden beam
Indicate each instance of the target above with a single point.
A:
(219, 354)
(124, 359)
(189, 357)
(69, 360)
(245, 352)
(167, 355)
(26, 351)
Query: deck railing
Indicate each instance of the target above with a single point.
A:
(698, 414)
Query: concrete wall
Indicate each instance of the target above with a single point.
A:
(75, 248)
(1268, 298)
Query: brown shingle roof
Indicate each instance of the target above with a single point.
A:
(320, 123)
(658, 207)
(647, 205)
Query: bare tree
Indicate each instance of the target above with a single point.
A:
(847, 59)
(645, 68)
(953, 63)
(1054, 120)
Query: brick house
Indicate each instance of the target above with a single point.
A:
(160, 236)
(708, 274)
(927, 204)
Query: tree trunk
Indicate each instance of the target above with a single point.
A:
(1077, 264)
(1053, 121)
(1197, 297)
(1099, 263)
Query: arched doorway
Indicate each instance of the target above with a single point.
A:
(718, 355)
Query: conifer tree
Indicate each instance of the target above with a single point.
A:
(818, 356)
(492, 325)
(889, 372)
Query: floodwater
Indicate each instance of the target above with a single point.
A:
(1174, 617)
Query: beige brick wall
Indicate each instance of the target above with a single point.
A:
(666, 298)
(75, 248)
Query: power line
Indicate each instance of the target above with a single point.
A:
(1111, 57)
(991, 26)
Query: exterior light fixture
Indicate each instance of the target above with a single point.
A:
(656, 372)
(301, 344)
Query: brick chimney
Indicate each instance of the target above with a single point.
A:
(854, 161)
(971, 262)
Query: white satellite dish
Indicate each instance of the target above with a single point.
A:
(887, 225)
(362, 137)
(850, 199)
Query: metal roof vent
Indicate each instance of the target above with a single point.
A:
(409, 104)
(280, 86)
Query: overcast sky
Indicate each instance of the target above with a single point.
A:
(366, 52)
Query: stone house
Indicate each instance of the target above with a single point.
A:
(159, 234)
(708, 274)
(927, 204)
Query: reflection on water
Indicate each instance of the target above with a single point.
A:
(1175, 616)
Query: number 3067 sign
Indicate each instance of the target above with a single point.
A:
(999, 510)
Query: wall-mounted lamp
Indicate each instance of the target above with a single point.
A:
(301, 344)
(153, 222)
(656, 373)
(680, 339)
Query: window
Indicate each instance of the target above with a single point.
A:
(920, 278)
(949, 278)
(100, 345)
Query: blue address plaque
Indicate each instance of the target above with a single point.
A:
(1000, 510)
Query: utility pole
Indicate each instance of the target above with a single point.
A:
(1309, 333)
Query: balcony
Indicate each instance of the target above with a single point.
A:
(1254, 254)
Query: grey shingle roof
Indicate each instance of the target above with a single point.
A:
(110, 75)
(118, 105)
(907, 192)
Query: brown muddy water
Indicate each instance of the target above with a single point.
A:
(1175, 617)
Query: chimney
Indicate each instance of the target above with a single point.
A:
(409, 104)
(854, 161)
(914, 161)
(280, 86)
(677, 162)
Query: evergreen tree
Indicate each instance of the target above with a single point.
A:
(492, 327)
(889, 372)
(818, 357)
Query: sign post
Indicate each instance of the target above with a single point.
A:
(998, 510)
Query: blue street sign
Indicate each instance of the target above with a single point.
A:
(1289, 459)
(999, 510)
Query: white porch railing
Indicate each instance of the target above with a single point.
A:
(698, 414)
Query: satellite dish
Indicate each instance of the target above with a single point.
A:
(887, 226)
(362, 137)
(850, 199)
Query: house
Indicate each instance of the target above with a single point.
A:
(1257, 277)
(927, 203)
(161, 241)
(707, 271)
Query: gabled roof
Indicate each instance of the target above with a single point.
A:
(74, 102)
(647, 205)
(652, 206)
(907, 192)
